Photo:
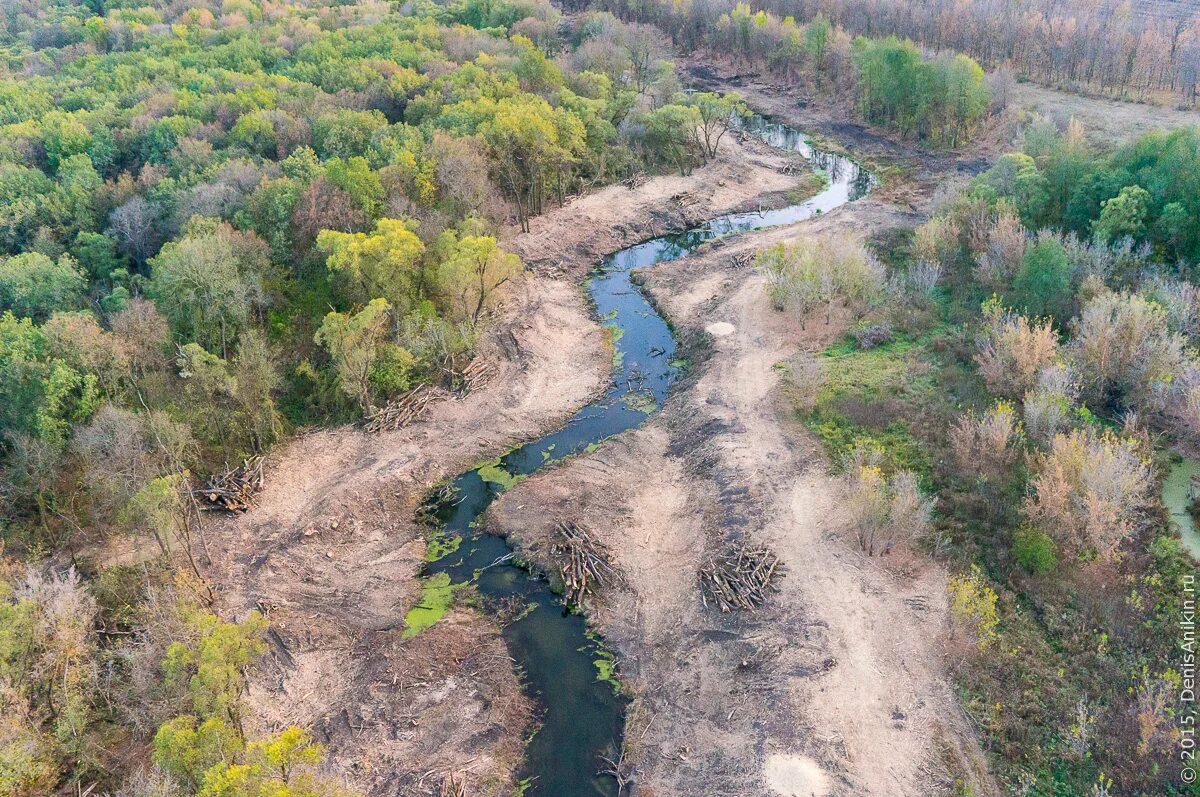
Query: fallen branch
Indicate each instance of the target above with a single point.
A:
(740, 578)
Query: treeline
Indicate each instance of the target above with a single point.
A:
(219, 221)
(941, 100)
(1112, 47)
(1107, 47)
(1025, 362)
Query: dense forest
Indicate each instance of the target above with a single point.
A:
(939, 100)
(1013, 410)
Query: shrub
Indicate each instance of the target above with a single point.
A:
(987, 445)
(1014, 351)
(1034, 550)
(883, 510)
(1089, 490)
(973, 607)
(870, 335)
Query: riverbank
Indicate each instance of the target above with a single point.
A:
(332, 552)
(835, 686)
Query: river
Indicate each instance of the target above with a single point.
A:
(565, 668)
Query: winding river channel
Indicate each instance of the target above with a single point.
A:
(565, 668)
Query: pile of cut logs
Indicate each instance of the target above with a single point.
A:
(404, 410)
(685, 200)
(739, 578)
(233, 490)
(584, 563)
(742, 259)
(477, 374)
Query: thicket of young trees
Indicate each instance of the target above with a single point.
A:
(219, 220)
(1033, 392)
(941, 100)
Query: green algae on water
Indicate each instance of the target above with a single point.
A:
(1177, 498)
(492, 472)
(441, 545)
(605, 661)
(642, 401)
(437, 593)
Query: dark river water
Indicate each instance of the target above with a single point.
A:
(562, 665)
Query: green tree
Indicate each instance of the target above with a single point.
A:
(204, 288)
(816, 40)
(473, 268)
(714, 115)
(33, 285)
(671, 136)
(383, 263)
(1043, 285)
(1123, 215)
(355, 342)
(211, 667)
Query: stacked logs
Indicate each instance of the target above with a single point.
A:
(476, 375)
(404, 410)
(739, 578)
(584, 563)
(685, 200)
(233, 490)
(742, 260)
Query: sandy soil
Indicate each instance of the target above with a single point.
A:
(331, 553)
(835, 687)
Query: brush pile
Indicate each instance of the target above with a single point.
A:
(585, 563)
(740, 578)
(233, 490)
(636, 180)
(402, 411)
(742, 260)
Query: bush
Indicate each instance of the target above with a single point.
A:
(1033, 550)
(870, 335)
